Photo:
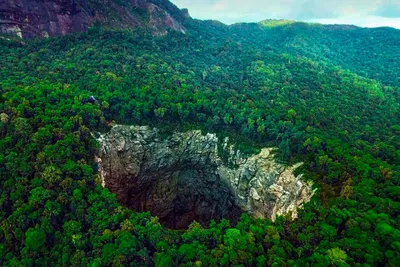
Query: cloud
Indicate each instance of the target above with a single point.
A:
(389, 10)
(313, 9)
(363, 12)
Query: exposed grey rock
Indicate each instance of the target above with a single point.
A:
(45, 18)
(181, 178)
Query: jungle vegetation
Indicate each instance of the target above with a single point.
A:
(332, 104)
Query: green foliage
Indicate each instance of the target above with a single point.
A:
(35, 239)
(337, 256)
(236, 80)
(372, 53)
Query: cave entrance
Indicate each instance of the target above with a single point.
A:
(190, 176)
(175, 177)
(184, 195)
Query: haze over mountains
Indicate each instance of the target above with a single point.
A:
(367, 13)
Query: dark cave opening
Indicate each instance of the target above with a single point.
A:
(183, 195)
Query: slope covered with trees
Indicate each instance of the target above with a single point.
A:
(372, 53)
(345, 127)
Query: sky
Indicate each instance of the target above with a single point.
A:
(364, 13)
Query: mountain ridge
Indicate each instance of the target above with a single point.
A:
(47, 18)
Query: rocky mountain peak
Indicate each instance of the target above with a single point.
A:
(44, 18)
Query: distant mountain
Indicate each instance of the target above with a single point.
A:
(28, 18)
(372, 53)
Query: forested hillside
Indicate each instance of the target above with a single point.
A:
(255, 83)
(372, 53)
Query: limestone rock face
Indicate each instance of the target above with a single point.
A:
(190, 176)
(44, 18)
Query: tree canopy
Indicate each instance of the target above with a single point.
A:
(316, 107)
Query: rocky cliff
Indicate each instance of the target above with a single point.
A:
(183, 177)
(32, 18)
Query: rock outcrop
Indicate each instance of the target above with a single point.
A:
(43, 18)
(190, 176)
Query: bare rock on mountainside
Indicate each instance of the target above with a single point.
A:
(44, 18)
(189, 176)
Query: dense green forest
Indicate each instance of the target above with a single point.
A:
(311, 104)
(372, 53)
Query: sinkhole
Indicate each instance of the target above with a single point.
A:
(191, 176)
